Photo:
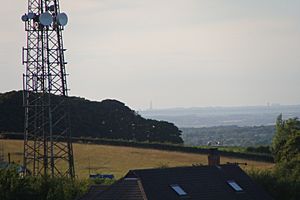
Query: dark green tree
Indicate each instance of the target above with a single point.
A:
(283, 183)
(109, 118)
(285, 144)
(286, 148)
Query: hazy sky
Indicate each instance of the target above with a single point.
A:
(175, 53)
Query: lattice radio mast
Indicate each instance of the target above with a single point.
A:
(47, 140)
(1, 153)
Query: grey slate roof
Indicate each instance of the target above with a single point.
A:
(199, 182)
(124, 189)
(94, 191)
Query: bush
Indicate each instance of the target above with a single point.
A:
(259, 149)
(283, 183)
(102, 181)
(280, 187)
(13, 187)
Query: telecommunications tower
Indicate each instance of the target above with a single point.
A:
(47, 140)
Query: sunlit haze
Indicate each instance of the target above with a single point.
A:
(175, 53)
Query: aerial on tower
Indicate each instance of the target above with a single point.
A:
(47, 138)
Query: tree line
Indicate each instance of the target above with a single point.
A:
(109, 118)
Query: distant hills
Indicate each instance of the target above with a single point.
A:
(223, 116)
(229, 136)
(106, 119)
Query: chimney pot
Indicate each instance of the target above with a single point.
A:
(213, 157)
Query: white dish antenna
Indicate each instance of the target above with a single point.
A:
(24, 18)
(62, 19)
(31, 15)
(46, 19)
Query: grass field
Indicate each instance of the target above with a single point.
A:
(118, 160)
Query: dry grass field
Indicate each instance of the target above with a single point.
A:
(118, 160)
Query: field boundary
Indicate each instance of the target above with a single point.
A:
(157, 146)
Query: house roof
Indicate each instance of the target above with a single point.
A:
(124, 189)
(94, 191)
(226, 182)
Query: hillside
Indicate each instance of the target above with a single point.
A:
(118, 160)
(106, 119)
(229, 135)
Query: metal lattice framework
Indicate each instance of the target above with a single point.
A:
(1, 153)
(47, 140)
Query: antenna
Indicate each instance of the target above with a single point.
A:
(62, 19)
(46, 19)
(47, 138)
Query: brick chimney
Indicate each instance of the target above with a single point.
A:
(213, 157)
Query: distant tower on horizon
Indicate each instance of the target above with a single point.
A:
(151, 105)
(47, 138)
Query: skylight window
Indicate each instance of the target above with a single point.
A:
(235, 186)
(178, 190)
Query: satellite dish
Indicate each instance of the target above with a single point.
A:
(62, 19)
(24, 18)
(46, 19)
(31, 15)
